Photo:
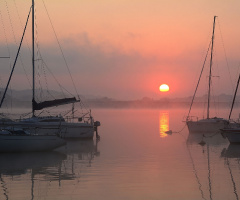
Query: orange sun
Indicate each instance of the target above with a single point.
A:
(164, 88)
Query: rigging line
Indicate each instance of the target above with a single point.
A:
(44, 64)
(4, 31)
(209, 174)
(15, 40)
(233, 182)
(45, 77)
(15, 58)
(7, 42)
(60, 86)
(83, 105)
(61, 50)
(21, 23)
(181, 129)
(225, 54)
(204, 103)
(40, 85)
(234, 98)
(198, 81)
(39, 56)
(39, 80)
(216, 102)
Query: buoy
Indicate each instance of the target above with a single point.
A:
(169, 132)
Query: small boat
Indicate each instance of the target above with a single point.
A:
(19, 140)
(208, 124)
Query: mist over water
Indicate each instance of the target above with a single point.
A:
(134, 159)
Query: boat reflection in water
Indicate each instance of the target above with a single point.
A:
(80, 151)
(207, 138)
(232, 151)
(20, 163)
(163, 123)
(204, 151)
(231, 156)
(40, 170)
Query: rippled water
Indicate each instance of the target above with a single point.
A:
(134, 159)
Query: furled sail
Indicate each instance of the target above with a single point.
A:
(56, 102)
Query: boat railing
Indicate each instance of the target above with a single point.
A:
(72, 119)
(190, 118)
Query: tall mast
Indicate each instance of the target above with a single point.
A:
(33, 66)
(210, 73)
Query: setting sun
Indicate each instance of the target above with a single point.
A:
(164, 88)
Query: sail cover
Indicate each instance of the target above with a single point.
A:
(56, 102)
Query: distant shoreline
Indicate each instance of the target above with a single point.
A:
(223, 100)
(107, 103)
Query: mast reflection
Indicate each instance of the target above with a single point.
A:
(163, 123)
(64, 164)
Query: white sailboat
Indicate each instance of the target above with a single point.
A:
(82, 127)
(208, 124)
(14, 139)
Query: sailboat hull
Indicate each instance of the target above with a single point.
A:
(29, 143)
(232, 134)
(65, 129)
(212, 125)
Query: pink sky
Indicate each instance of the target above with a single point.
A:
(126, 49)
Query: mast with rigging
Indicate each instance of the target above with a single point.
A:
(33, 58)
(210, 73)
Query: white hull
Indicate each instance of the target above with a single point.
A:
(212, 125)
(29, 143)
(50, 124)
(65, 129)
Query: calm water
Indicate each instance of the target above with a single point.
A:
(134, 159)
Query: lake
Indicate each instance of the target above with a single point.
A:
(134, 159)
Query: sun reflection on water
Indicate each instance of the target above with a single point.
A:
(163, 123)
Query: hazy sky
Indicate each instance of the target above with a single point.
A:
(125, 49)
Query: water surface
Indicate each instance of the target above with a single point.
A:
(134, 159)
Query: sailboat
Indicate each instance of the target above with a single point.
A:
(82, 127)
(16, 139)
(232, 131)
(206, 125)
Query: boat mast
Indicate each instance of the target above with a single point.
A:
(33, 66)
(210, 73)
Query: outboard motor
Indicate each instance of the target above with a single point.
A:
(96, 124)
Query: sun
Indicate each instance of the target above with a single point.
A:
(164, 88)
